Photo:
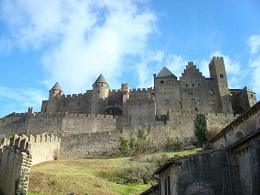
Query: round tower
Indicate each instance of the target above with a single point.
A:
(125, 91)
(99, 95)
(55, 94)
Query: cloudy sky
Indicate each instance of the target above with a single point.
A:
(73, 41)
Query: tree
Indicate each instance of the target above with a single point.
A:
(200, 125)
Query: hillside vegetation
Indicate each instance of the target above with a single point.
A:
(97, 176)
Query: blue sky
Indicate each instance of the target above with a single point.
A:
(72, 42)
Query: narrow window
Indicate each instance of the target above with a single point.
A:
(221, 75)
(98, 92)
(162, 82)
(187, 85)
(211, 91)
(167, 102)
(252, 95)
(169, 185)
(193, 85)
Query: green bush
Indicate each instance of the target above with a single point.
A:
(200, 125)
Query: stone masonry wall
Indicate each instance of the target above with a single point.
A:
(89, 145)
(190, 175)
(44, 148)
(14, 123)
(15, 163)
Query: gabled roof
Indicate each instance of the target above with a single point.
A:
(56, 87)
(101, 79)
(165, 73)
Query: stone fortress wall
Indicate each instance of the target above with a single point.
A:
(18, 154)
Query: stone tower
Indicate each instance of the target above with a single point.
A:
(55, 94)
(125, 91)
(99, 95)
(218, 73)
(167, 91)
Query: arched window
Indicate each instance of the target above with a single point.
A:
(239, 135)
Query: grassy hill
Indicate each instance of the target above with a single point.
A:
(96, 176)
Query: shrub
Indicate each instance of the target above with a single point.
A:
(200, 125)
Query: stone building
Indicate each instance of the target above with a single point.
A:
(192, 91)
(230, 167)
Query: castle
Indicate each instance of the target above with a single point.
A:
(192, 92)
(90, 124)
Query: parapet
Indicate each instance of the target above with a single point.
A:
(20, 142)
(141, 89)
(74, 96)
(43, 138)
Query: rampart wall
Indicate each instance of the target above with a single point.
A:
(74, 127)
(13, 123)
(44, 148)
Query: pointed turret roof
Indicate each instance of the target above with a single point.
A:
(165, 73)
(101, 79)
(247, 89)
(56, 87)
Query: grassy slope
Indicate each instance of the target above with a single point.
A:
(86, 176)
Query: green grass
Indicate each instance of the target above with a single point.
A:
(88, 176)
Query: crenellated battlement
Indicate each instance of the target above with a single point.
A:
(114, 90)
(14, 114)
(74, 96)
(43, 138)
(141, 89)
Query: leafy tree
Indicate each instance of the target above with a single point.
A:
(124, 146)
(200, 125)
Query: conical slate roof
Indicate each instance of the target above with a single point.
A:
(248, 89)
(56, 87)
(101, 79)
(165, 73)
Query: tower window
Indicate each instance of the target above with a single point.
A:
(213, 102)
(187, 85)
(211, 91)
(252, 95)
(167, 102)
(98, 92)
(221, 75)
(162, 82)
(193, 85)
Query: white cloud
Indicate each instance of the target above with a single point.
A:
(254, 43)
(83, 37)
(22, 98)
